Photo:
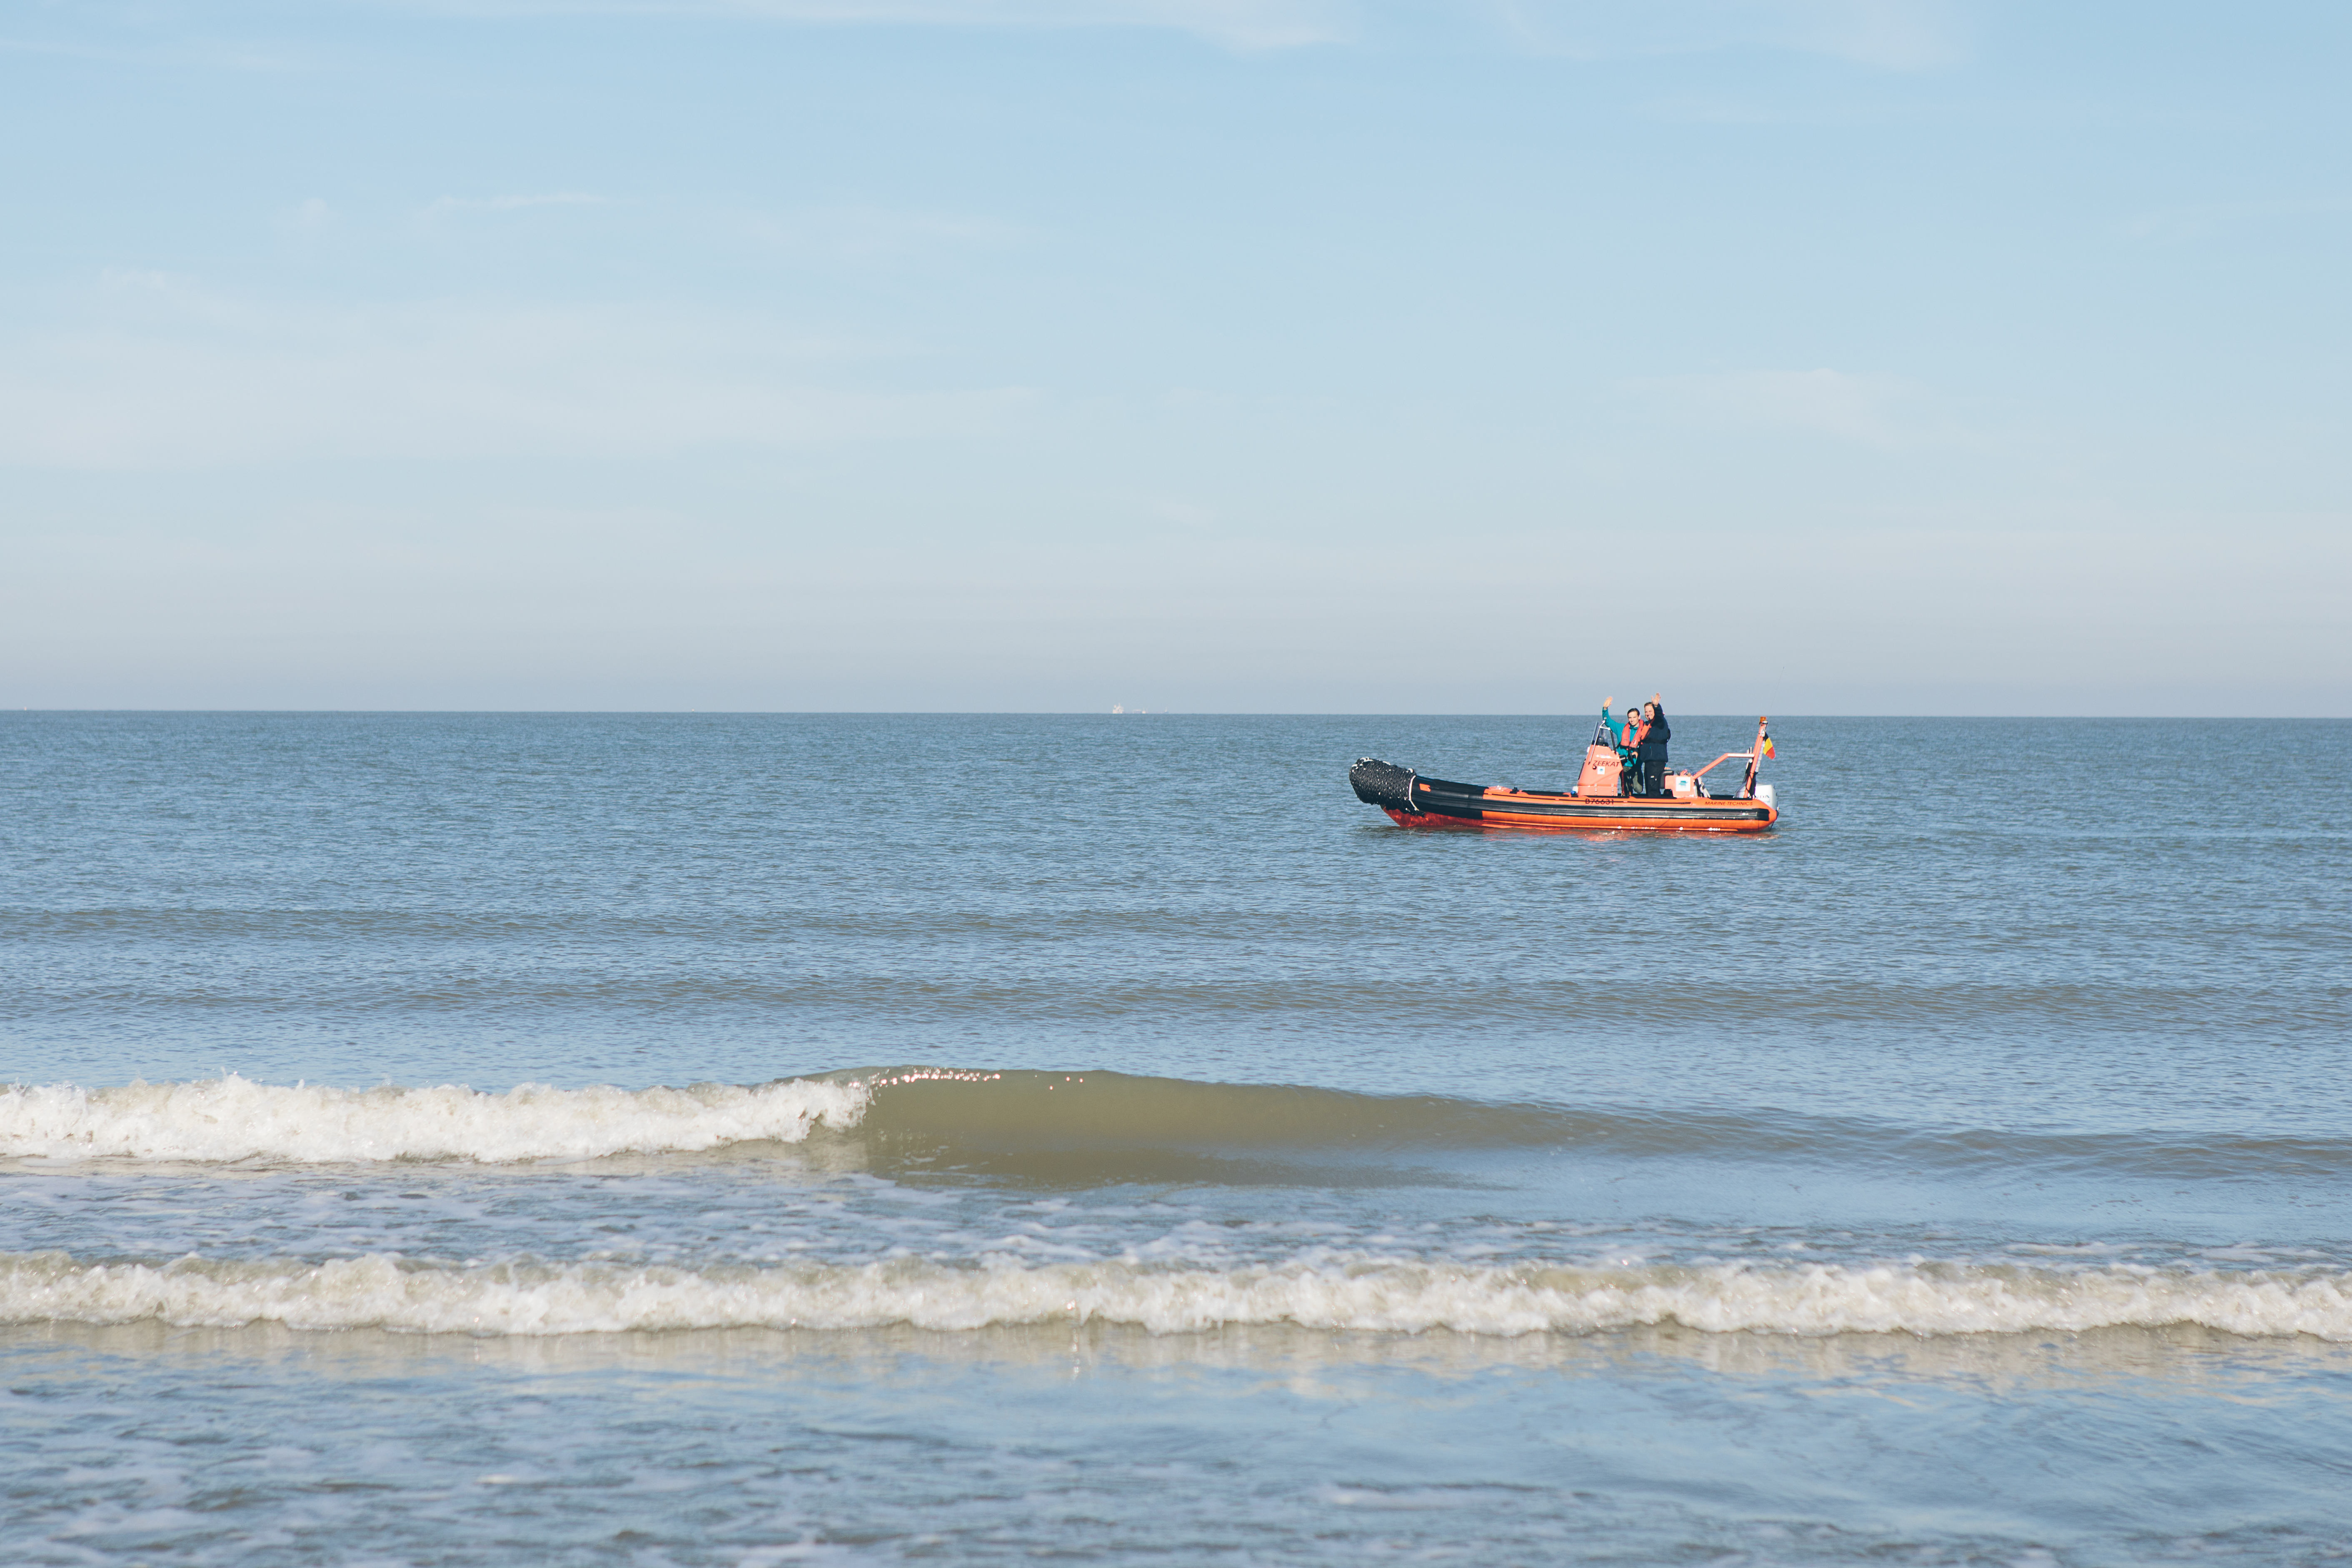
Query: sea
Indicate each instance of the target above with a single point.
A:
(717, 1138)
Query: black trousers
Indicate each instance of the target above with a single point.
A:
(1649, 771)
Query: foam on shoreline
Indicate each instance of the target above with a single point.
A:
(1367, 1295)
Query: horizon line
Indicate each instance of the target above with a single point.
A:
(1091, 712)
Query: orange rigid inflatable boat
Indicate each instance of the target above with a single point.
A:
(1597, 801)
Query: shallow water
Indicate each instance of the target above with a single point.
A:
(703, 1139)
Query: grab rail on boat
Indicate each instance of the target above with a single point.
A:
(1752, 757)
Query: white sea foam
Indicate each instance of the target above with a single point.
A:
(1367, 1295)
(233, 1119)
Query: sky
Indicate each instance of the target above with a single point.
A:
(1833, 356)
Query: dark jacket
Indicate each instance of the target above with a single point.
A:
(1655, 738)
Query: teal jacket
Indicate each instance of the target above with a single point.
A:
(1619, 729)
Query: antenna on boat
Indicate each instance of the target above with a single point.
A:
(1755, 758)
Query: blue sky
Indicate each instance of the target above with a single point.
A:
(1808, 356)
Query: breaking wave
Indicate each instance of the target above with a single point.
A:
(1367, 1295)
(231, 1118)
(988, 1114)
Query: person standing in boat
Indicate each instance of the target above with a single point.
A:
(1650, 747)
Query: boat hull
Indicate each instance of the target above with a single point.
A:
(1411, 800)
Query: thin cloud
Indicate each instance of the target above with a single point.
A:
(1246, 25)
(445, 205)
(1904, 106)
(204, 54)
(2203, 220)
(156, 371)
(1884, 34)
(51, 46)
(868, 234)
(1868, 410)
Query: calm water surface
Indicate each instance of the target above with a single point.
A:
(744, 1140)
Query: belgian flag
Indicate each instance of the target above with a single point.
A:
(1767, 746)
